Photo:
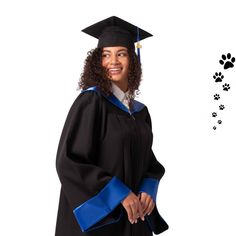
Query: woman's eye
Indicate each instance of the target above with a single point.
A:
(122, 54)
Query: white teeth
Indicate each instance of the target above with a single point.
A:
(115, 69)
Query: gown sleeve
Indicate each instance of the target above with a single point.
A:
(154, 172)
(91, 191)
(149, 184)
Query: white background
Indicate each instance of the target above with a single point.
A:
(42, 51)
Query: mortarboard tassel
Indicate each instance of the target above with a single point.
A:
(138, 45)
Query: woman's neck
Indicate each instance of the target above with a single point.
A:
(123, 86)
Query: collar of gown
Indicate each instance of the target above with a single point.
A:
(137, 106)
(120, 94)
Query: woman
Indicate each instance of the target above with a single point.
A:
(105, 162)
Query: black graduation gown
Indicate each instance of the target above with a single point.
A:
(105, 151)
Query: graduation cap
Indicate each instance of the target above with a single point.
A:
(114, 31)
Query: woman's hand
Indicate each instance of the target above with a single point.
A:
(133, 207)
(146, 202)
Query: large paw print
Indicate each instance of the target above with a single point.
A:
(226, 87)
(227, 61)
(216, 96)
(218, 77)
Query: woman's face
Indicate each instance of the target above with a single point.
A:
(116, 61)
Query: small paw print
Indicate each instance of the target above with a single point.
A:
(216, 96)
(226, 87)
(222, 107)
(219, 121)
(214, 114)
(218, 77)
(214, 127)
(229, 61)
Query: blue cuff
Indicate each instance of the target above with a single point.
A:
(150, 186)
(99, 206)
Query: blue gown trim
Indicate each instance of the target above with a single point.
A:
(104, 224)
(99, 206)
(138, 106)
(150, 186)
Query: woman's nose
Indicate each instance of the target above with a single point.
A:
(114, 59)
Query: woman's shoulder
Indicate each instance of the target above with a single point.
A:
(89, 97)
(138, 106)
(92, 88)
(89, 94)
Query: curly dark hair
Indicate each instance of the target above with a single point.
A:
(96, 75)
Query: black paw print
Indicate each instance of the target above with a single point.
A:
(229, 62)
(218, 77)
(226, 87)
(219, 121)
(222, 107)
(214, 114)
(216, 96)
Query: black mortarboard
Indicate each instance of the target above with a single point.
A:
(114, 31)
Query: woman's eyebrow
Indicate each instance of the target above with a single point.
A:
(125, 50)
(106, 50)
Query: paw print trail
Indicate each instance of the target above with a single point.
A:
(228, 62)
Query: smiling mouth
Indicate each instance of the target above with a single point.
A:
(115, 71)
